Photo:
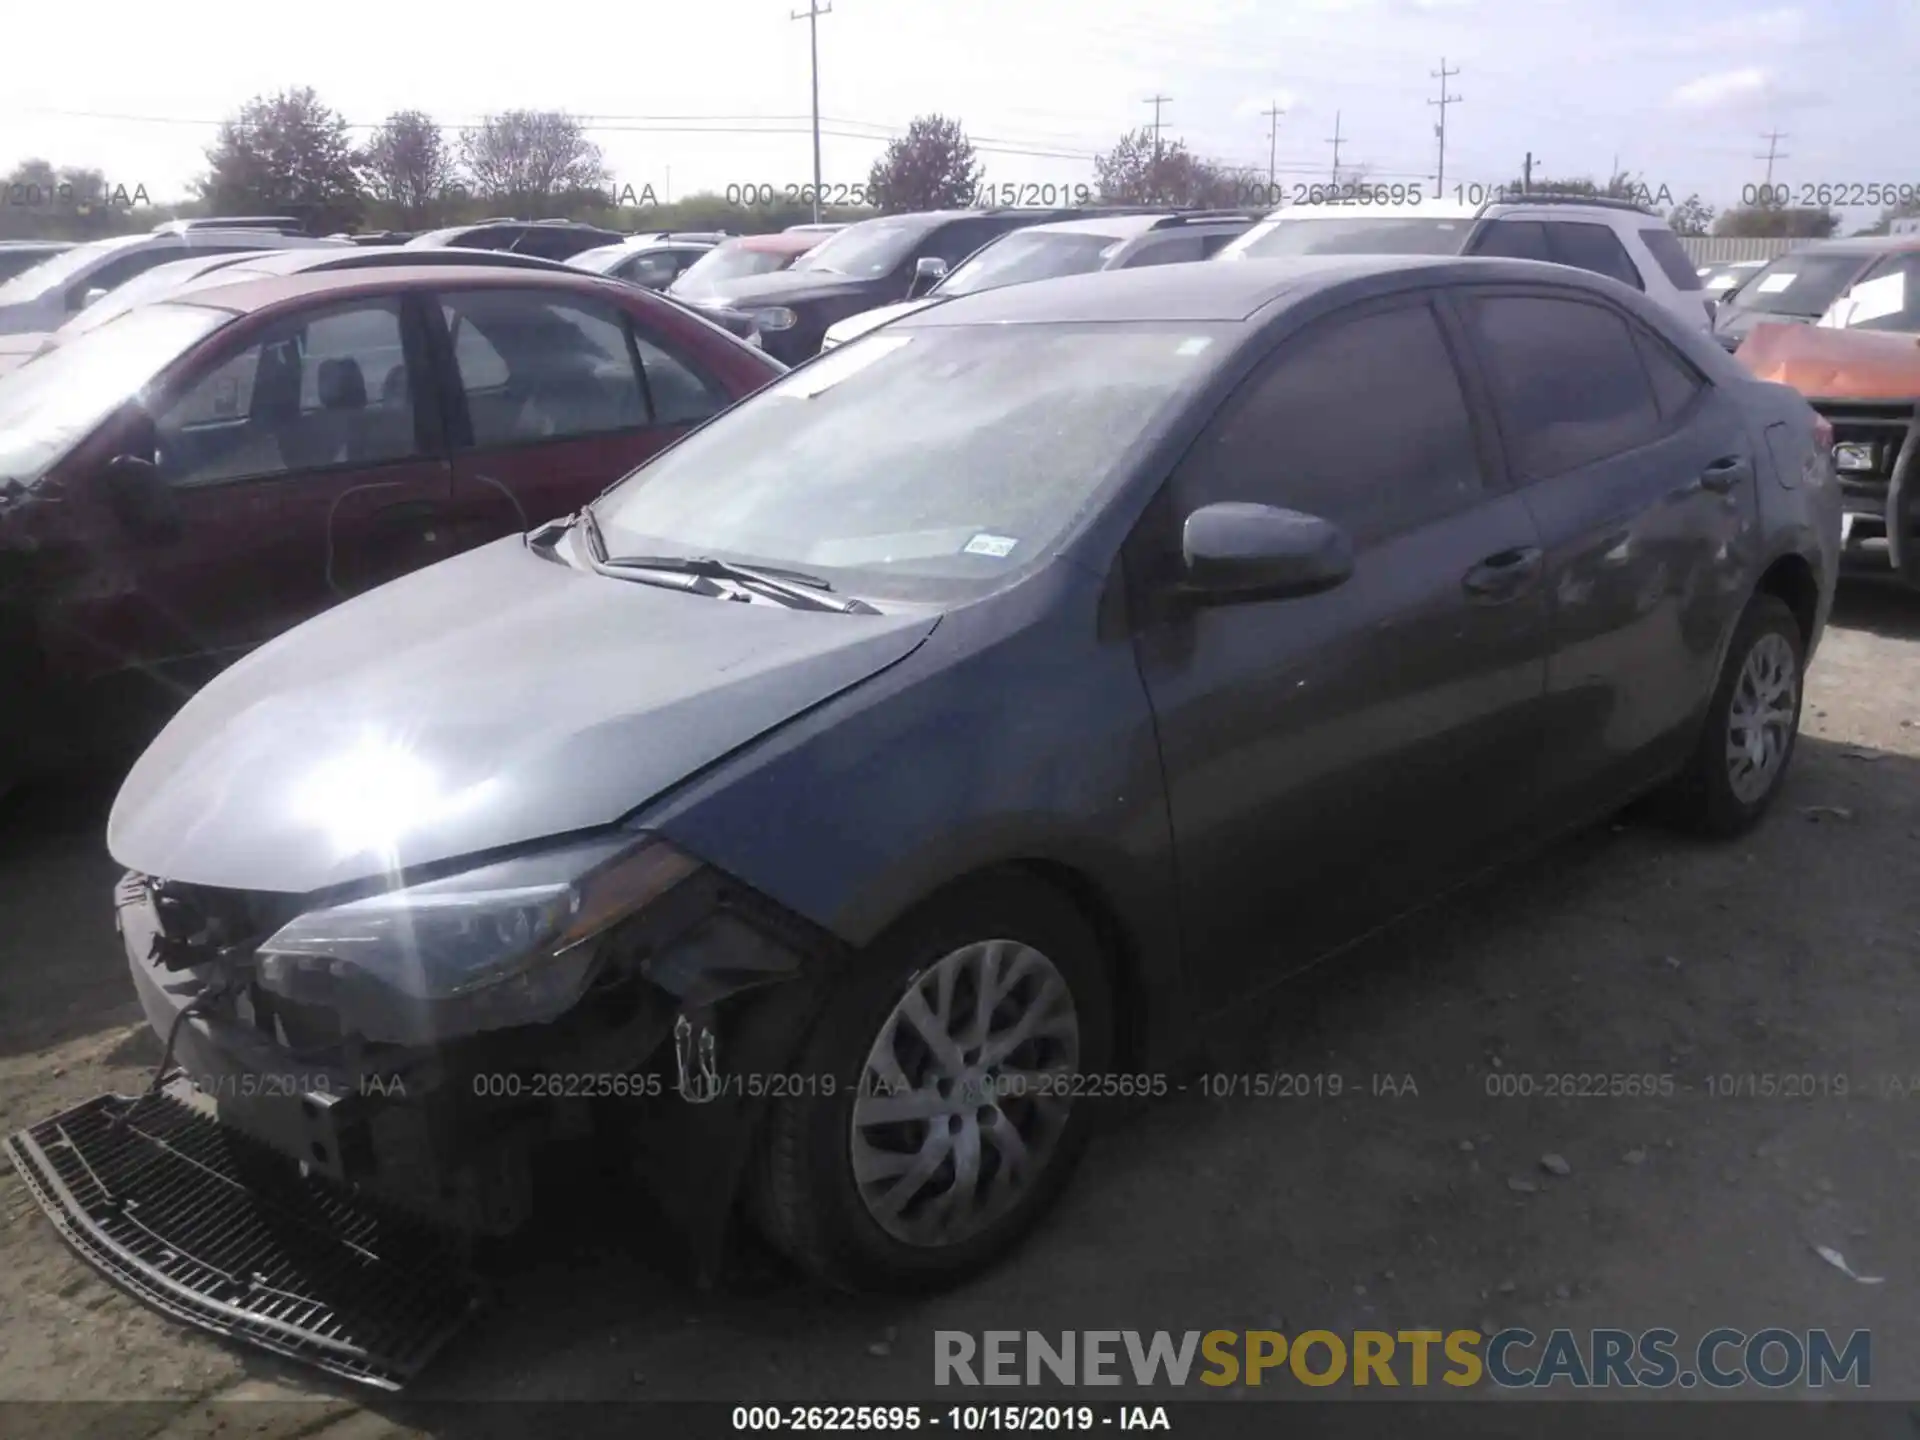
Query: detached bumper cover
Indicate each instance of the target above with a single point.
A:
(217, 1230)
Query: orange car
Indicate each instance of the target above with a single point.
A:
(1860, 368)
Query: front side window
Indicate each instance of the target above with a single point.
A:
(1360, 421)
(933, 463)
(322, 388)
(653, 269)
(533, 367)
(680, 394)
(1569, 385)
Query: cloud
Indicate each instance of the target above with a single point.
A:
(1256, 107)
(1752, 88)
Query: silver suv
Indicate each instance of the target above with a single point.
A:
(45, 297)
(1617, 238)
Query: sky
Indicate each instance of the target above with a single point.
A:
(715, 93)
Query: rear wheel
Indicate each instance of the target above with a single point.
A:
(1752, 722)
(953, 1122)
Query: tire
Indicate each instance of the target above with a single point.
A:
(806, 1196)
(1714, 795)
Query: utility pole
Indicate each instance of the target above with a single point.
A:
(1443, 75)
(812, 15)
(1335, 143)
(1273, 114)
(1773, 139)
(1526, 174)
(1157, 101)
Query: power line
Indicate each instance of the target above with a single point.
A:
(1443, 75)
(812, 16)
(1273, 114)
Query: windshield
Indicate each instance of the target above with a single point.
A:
(728, 262)
(138, 291)
(49, 406)
(930, 464)
(1027, 255)
(867, 250)
(1803, 284)
(1353, 235)
(1887, 297)
(32, 284)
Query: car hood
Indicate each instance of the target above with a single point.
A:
(854, 326)
(492, 699)
(786, 287)
(1835, 364)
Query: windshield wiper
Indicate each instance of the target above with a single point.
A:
(808, 591)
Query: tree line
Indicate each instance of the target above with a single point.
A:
(290, 153)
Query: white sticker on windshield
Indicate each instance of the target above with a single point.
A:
(998, 546)
(1774, 284)
(1874, 298)
(836, 365)
(1193, 345)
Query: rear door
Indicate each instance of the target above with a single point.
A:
(551, 396)
(1639, 473)
(1332, 759)
(303, 473)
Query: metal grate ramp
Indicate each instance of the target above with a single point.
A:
(216, 1229)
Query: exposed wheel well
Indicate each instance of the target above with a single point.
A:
(1791, 578)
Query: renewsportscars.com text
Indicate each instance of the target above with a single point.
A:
(1721, 1359)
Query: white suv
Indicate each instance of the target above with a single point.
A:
(1617, 238)
(45, 297)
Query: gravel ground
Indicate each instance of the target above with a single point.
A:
(1624, 951)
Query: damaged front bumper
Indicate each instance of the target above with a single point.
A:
(707, 983)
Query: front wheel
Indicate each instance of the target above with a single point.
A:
(952, 1122)
(1752, 722)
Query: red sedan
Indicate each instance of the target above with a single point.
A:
(205, 472)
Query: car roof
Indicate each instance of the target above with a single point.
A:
(1425, 209)
(1208, 292)
(245, 296)
(1120, 227)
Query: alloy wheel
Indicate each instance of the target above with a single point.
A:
(965, 1093)
(1761, 717)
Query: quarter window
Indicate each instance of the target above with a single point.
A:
(1567, 380)
(1361, 421)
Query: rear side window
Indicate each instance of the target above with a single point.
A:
(1675, 382)
(535, 367)
(1514, 239)
(1567, 380)
(1587, 246)
(955, 242)
(1666, 249)
(1315, 431)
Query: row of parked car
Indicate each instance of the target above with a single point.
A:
(900, 751)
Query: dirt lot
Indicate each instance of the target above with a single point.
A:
(1624, 951)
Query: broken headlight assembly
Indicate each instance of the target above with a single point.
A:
(515, 942)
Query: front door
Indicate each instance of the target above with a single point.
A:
(1640, 475)
(300, 474)
(555, 397)
(1332, 759)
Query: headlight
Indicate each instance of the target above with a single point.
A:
(505, 944)
(776, 317)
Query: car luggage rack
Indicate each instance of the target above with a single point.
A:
(213, 1228)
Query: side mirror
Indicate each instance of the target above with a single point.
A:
(139, 496)
(1235, 551)
(928, 271)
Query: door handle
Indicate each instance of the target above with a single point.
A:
(1505, 575)
(1725, 474)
